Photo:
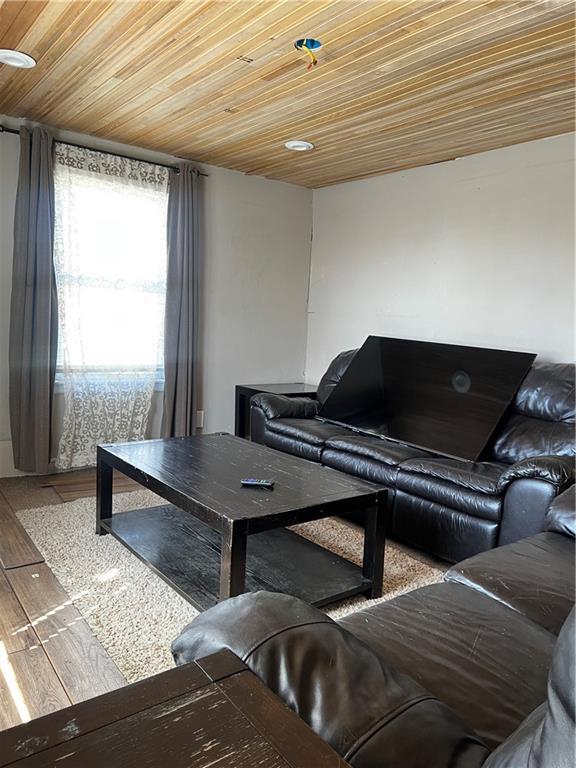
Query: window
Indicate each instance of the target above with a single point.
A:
(110, 258)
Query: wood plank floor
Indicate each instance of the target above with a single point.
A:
(82, 483)
(49, 657)
(16, 547)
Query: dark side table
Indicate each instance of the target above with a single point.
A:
(213, 712)
(244, 393)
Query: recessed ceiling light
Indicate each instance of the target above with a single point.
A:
(308, 42)
(298, 145)
(16, 59)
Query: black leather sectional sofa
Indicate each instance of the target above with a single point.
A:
(476, 671)
(450, 508)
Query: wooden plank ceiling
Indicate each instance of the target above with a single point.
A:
(399, 83)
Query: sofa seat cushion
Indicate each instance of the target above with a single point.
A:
(533, 576)
(375, 448)
(309, 430)
(470, 487)
(480, 476)
(487, 662)
(370, 458)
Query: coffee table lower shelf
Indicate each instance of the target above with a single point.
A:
(186, 555)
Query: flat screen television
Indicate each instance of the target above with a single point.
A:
(444, 398)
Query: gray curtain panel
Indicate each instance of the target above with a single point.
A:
(182, 296)
(34, 305)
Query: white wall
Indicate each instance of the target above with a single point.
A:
(255, 287)
(477, 251)
(256, 255)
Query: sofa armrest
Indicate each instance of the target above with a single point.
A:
(258, 423)
(366, 710)
(561, 517)
(557, 470)
(282, 407)
(524, 508)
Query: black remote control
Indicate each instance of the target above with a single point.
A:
(252, 482)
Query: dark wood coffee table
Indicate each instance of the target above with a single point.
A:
(213, 712)
(216, 539)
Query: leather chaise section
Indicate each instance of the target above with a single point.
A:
(350, 696)
(487, 663)
(533, 576)
(433, 678)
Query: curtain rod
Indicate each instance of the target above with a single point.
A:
(3, 129)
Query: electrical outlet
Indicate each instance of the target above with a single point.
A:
(199, 419)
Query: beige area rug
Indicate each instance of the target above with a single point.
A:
(134, 614)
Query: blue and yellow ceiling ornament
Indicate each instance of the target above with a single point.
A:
(310, 46)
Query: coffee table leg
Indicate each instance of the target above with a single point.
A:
(374, 546)
(233, 561)
(103, 494)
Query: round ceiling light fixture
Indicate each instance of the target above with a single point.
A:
(16, 59)
(299, 145)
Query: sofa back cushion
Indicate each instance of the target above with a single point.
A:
(542, 421)
(525, 438)
(333, 374)
(546, 738)
(547, 392)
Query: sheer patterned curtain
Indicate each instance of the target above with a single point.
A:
(110, 262)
